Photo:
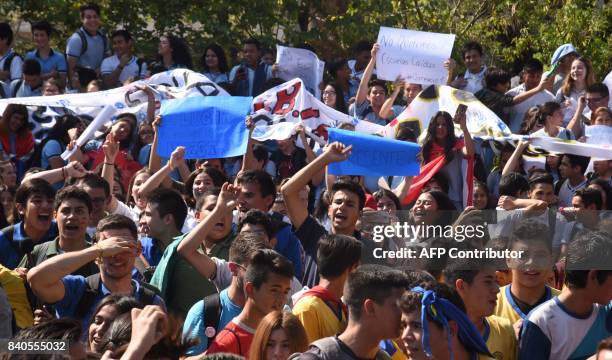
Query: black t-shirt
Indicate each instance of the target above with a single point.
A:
(288, 165)
(526, 308)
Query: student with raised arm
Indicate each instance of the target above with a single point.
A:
(115, 252)
(371, 96)
(347, 201)
(162, 175)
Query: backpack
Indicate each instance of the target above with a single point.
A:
(18, 86)
(212, 316)
(7, 62)
(146, 295)
(81, 34)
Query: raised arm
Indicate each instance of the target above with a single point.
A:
(156, 179)
(74, 170)
(46, 278)
(188, 247)
(362, 92)
(154, 159)
(387, 109)
(111, 149)
(544, 84)
(249, 162)
(575, 123)
(512, 164)
(469, 150)
(297, 213)
(310, 155)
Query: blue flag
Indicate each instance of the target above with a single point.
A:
(375, 156)
(208, 127)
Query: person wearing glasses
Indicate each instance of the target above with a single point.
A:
(597, 95)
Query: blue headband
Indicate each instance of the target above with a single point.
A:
(441, 311)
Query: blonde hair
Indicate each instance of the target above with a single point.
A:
(289, 323)
(589, 79)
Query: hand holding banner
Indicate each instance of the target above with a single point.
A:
(208, 127)
(414, 56)
(375, 156)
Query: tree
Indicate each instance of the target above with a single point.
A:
(510, 31)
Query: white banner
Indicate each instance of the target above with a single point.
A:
(302, 64)
(481, 121)
(415, 56)
(291, 103)
(572, 147)
(170, 84)
(598, 134)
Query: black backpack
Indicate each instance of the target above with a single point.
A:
(18, 86)
(212, 315)
(81, 34)
(9, 60)
(146, 295)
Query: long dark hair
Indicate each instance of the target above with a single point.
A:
(218, 50)
(449, 143)
(8, 113)
(180, 51)
(340, 104)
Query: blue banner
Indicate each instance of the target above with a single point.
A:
(208, 127)
(375, 156)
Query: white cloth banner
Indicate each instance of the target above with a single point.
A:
(177, 83)
(572, 147)
(598, 134)
(277, 111)
(415, 56)
(302, 64)
(481, 121)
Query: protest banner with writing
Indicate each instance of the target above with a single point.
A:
(178, 83)
(415, 56)
(481, 121)
(291, 103)
(209, 127)
(302, 64)
(374, 155)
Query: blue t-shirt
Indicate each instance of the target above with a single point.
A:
(151, 251)
(52, 148)
(55, 61)
(74, 288)
(20, 88)
(10, 254)
(290, 247)
(96, 50)
(194, 323)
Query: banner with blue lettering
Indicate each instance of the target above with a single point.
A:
(208, 127)
(375, 156)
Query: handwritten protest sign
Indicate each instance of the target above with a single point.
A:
(415, 56)
(208, 127)
(375, 156)
(303, 64)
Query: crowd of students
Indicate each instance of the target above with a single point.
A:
(267, 256)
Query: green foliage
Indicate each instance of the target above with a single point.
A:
(510, 31)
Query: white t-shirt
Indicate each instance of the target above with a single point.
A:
(125, 210)
(517, 112)
(16, 65)
(475, 82)
(131, 69)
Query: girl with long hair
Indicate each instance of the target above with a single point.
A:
(441, 144)
(278, 335)
(214, 64)
(575, 84)
(16, 140)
